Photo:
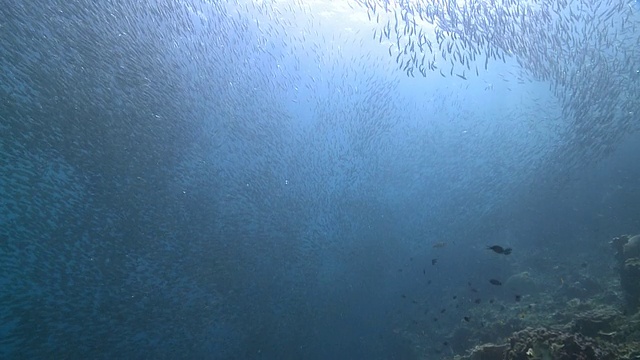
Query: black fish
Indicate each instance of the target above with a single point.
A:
(518, 298)
(495, 282)
(477, 301)
(467, 319)
(499, 249)
(434, 261)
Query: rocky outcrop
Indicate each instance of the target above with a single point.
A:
(628, 263)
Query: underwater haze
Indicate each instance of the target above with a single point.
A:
(292, 179)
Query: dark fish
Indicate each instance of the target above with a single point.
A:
(477, 301)
(499, 249)
(467, 319)
(518, 298)
(442, 311)
(496, 248)
(455, 297)
(495, 282)
(434, 261)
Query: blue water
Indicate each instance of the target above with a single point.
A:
(196, 180)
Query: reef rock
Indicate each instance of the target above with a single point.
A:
(632, 247)
(628, 257)
(596, 322)
(485, 352)
(542, 343)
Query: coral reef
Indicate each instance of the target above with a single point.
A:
(543, 344)
(574, 311)
(600, 332)
(596, 322)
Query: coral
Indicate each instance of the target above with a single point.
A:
(632, 247)
(486, 352)
(596, 322)
(546, 344)
(574, 303)
(626, 246)
(618, 243)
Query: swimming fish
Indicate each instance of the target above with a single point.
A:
(495, 282)
(499, 249)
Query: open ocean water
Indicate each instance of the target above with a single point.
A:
(292, 179)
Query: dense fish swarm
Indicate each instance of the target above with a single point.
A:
(586, 50)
